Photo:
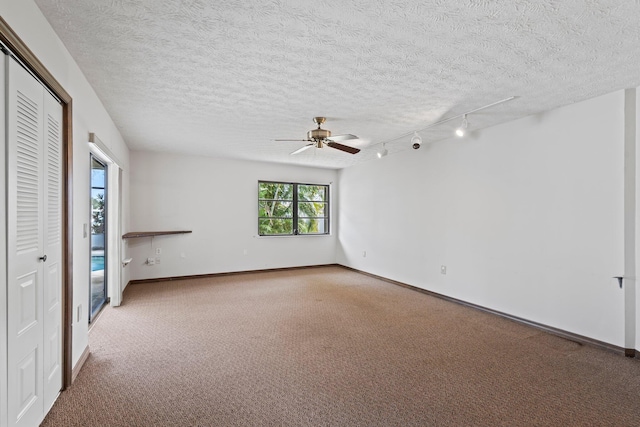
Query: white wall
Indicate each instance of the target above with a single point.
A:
(217, 200)
(89, 115)
(528, 217)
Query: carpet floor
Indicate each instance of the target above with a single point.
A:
(332, 347)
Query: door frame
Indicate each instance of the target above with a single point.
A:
(4, 397)
(19, 49)
(114, 218)
(106, 234)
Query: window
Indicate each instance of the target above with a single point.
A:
(286, 209)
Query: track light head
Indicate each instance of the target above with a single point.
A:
(463, 127)
(382, 153)
(416, 141)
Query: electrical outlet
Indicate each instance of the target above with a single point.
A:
(443, 269)
(158, 251)
(151, 261)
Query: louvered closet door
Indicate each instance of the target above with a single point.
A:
(52, 236)
(33, 342)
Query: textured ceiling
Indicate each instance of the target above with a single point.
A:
(224, 78)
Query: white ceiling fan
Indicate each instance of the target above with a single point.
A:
(318, 138)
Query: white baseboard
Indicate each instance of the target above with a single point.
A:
(76, 369)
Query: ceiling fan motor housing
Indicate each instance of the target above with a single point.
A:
(318, 134)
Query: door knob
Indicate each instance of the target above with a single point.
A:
(43, 258)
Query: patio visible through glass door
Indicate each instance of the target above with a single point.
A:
(98, 291)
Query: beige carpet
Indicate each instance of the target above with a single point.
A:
(331, 347)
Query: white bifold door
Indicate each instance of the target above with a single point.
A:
(34, 242)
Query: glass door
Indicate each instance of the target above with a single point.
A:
(98, 290)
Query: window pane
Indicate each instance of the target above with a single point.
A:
(312, 209)
(275, 208)
(313, 226)
(311, 192)
(268, 226)
(275, 190)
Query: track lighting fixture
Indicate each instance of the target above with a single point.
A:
(416, 141)
(463, 127)
(383, 152)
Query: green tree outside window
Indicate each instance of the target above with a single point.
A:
(291, 208)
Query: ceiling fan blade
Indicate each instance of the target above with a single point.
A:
(345, 137)
(301, 149)
(345, 148)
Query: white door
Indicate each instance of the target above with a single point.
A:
(52, 283)
(33, 256)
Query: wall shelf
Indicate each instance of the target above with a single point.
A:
(137, 234)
